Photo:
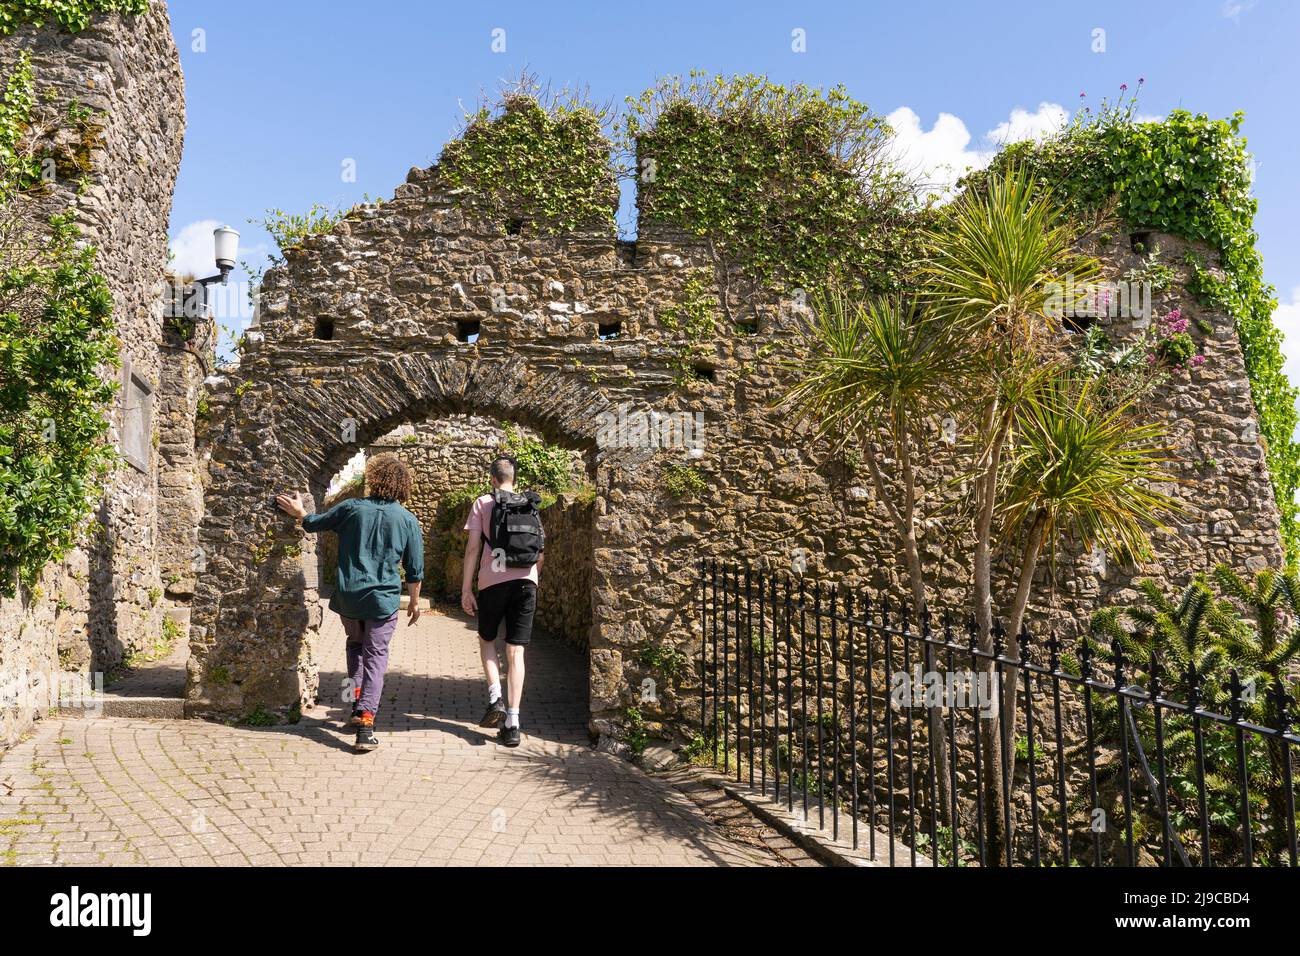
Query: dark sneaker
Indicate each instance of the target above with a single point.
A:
(495, 713)
(355, 719)
(508, 736)
(366, 739)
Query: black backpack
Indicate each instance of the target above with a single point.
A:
(515, 529)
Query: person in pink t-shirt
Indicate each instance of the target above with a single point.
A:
(504, 594)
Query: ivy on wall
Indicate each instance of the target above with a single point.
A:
(790, 185)
(1188, 175)
(692, 321)
(72, 15)
(56, 337)
(536, 159)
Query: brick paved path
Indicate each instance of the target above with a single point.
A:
(438, 791)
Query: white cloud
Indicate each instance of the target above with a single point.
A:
(1233, 9)
(941, 155)
(1049, 118)
(192, 249)
(938, 157)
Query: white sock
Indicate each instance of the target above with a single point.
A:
(512, 716)
(494, 692)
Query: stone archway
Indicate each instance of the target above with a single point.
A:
(256, 613)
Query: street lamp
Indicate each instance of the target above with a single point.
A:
(225, 247)
(225, 243)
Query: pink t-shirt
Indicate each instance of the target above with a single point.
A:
(487, 576)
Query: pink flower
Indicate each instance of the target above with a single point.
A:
(1123, 87)
(1198, 361)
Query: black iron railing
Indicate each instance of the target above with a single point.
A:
(836, 705)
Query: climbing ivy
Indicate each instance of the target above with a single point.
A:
(1188, 175)
(72, 15)
(693, 321)
(56, 337)
(536, 158)
(790, 185)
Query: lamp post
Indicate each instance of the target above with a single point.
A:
(225, 246)
(194, 296)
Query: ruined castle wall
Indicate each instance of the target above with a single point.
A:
(104, 601)
(392, 284)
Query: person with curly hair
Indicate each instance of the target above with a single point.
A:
(375, 534)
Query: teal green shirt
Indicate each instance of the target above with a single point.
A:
(375, 534)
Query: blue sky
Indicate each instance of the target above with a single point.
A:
(285, 93)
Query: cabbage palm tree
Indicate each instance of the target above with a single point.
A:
(1083, 468)
(875, 374)
(994, 267)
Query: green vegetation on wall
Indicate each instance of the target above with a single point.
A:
(693, 321)
(1188, 175)
(535, 158)
(791, 185)
(72, 15)
(541, 467)
(56, 336)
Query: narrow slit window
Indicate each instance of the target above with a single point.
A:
(704, 373)
(467, 330)
(610, 330)
(325, 329)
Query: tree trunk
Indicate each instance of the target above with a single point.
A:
(995, 830)
(938, 733)
(1028, 567)
(904, 521)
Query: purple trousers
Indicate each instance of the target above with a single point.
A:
(368, 657)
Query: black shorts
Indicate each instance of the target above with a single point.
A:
(512, 601)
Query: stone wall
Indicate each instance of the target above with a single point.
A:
(393, 286)
(564, 593)
(105, 600)
(187, 358)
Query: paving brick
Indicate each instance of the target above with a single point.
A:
(439, 790)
